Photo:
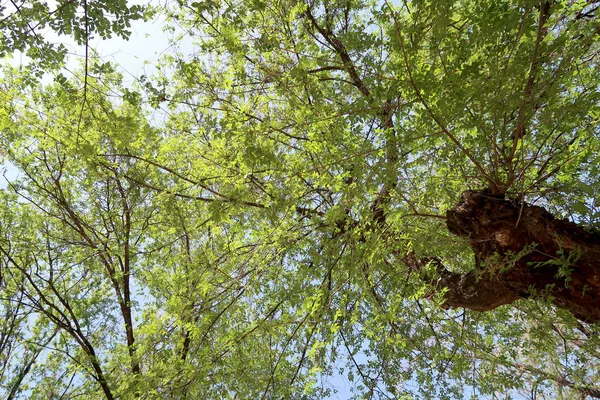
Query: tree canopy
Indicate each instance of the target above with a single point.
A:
(404, 195)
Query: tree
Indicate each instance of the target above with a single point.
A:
(402, 194)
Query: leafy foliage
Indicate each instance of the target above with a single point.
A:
(263, 238)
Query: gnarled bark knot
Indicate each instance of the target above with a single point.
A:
(523, 252)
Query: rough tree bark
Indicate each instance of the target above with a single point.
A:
(522, 252)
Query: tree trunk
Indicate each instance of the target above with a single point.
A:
(522, 252)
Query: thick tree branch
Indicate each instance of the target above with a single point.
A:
(524, 252)
(386, 116)
(475, 290)
(341, 51)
